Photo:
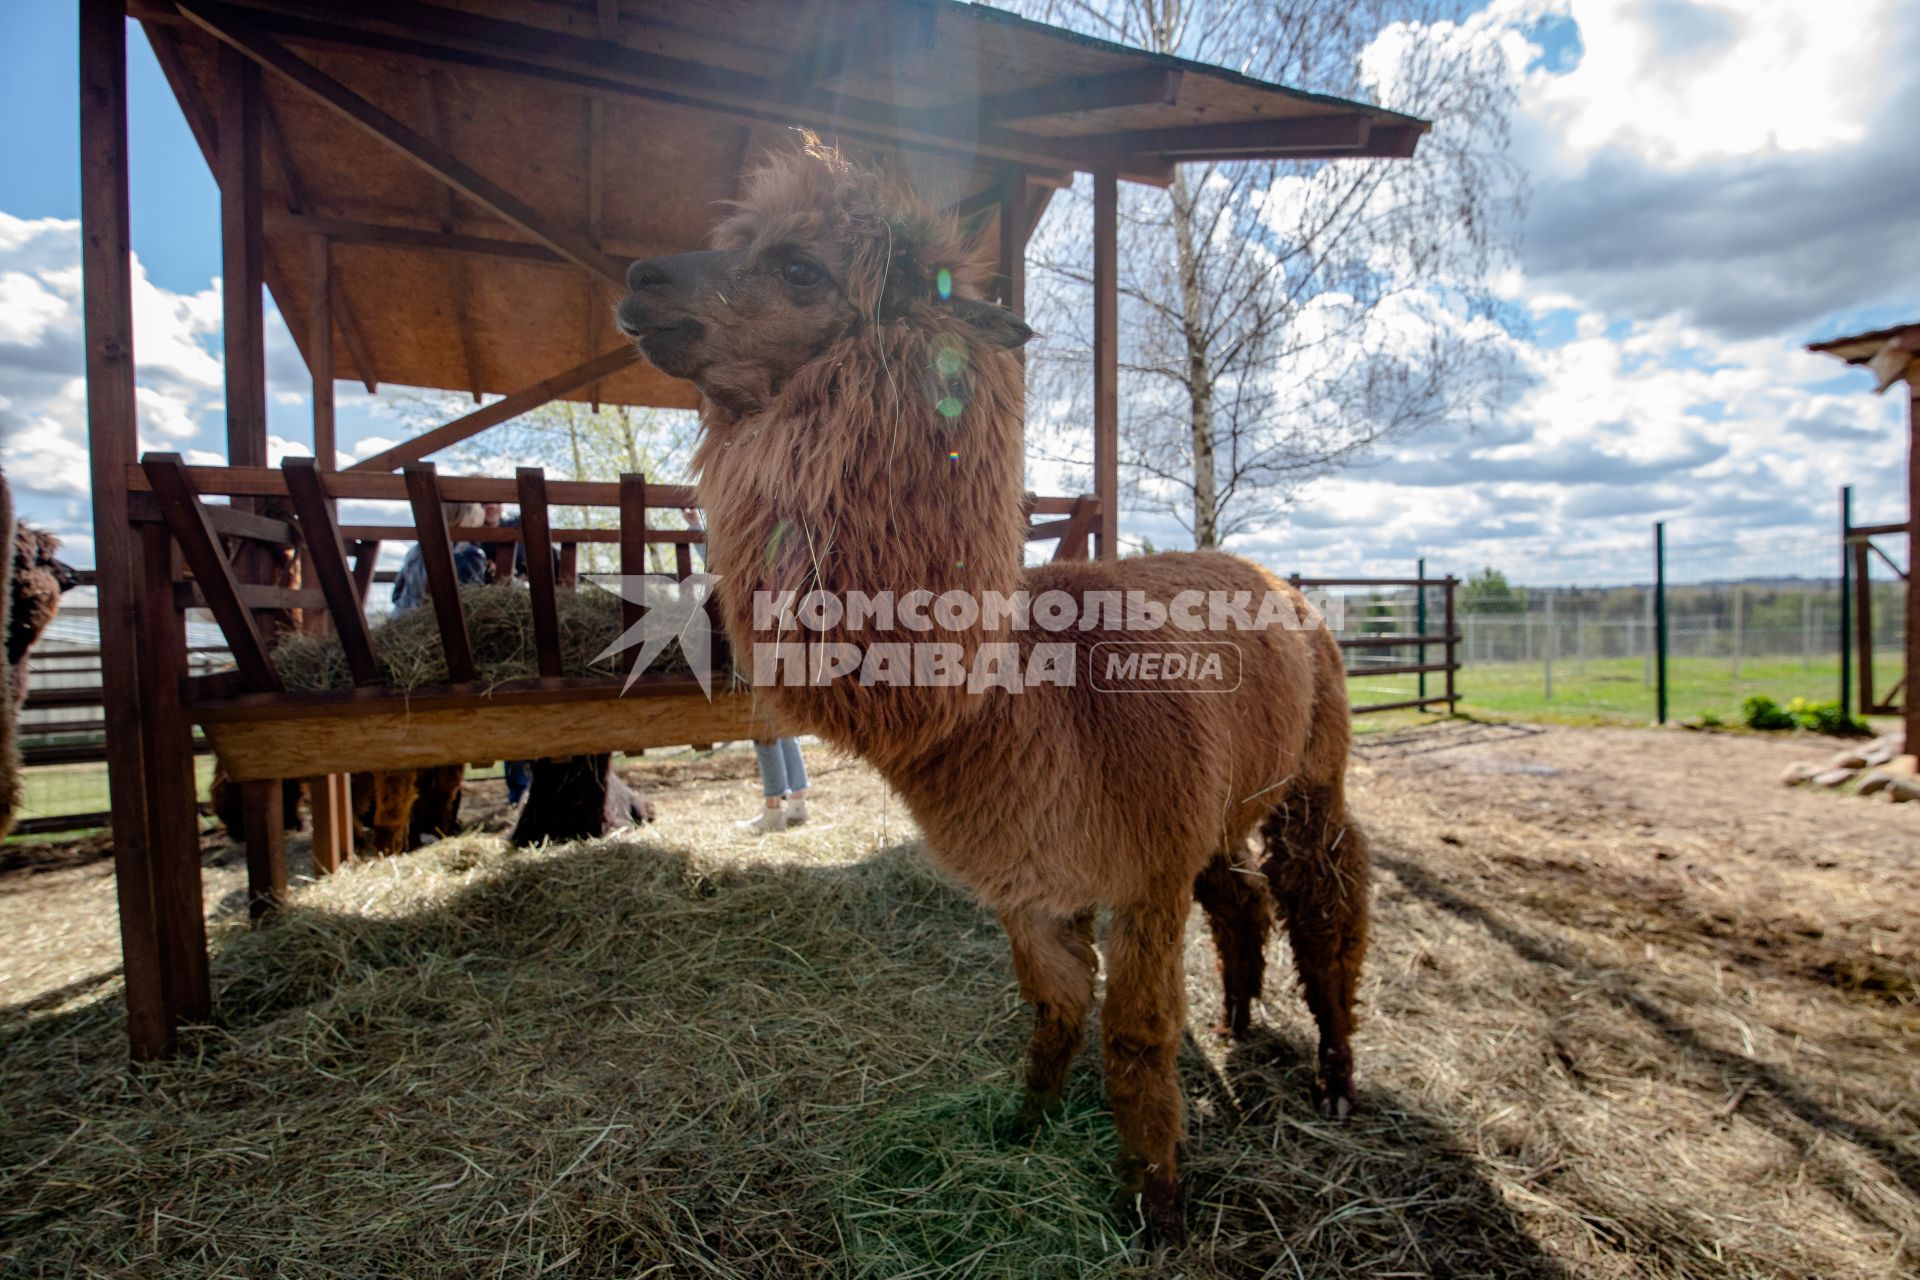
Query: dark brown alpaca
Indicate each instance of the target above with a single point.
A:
(35, 581)
(862, 432)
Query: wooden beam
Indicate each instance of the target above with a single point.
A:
(320, 349)
(1013, 244)
(1075, 529)
(595, 66)
(242, 254)
(1910, 695)
(443, 580)
(1347, 133)
(499, 411)
(106, 257)
(328, 555)
(330, 801)
(181, 508)
(540, 575)
(386, 487)
(266, 840)
(410, 143)
(1106, 361)
(417, 732)
(1138, 86)
(366, 555)
(180, 909)
(633, 543)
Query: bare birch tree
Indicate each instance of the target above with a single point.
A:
(1280, 319)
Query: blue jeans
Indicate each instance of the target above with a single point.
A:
(781, 768)
(519, 776)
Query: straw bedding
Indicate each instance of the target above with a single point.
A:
(1598, 1042)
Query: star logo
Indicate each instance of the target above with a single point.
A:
(674, 611)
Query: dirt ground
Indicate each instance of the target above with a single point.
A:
(1633, 1009)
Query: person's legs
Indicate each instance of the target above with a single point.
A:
(797, 783)
(519, 776)
(773, 786)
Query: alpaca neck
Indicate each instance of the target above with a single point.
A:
(856, 484)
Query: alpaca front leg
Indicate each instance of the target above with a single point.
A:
(1240, 917)
(1054, 960)
(1140, 1032)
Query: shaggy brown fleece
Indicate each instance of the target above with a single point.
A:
(863, 432)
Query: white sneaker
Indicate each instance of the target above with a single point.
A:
(770, 822)
(796, 812)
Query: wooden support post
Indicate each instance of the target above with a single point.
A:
(1013, 243)
(329, 801)
(107, 302)
(1910, 697)
(266, 838)
(1079, 524)
(365, 556)
(682, 561)
(328, 556)
(172, 790)
(242, 253)
(1453, 641)
(633, 542)
(320, 350)
(569, 564)
(1863, 621)
(443, 580)
(181, 508)
(535, 537)
(1106, 361)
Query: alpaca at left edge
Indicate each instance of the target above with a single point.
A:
(862, 420)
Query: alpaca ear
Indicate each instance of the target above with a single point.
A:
(993, 323)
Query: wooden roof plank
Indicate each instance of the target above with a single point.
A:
(415, 146)
(1134, 87)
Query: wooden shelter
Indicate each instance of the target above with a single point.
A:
(446, 195)
(1893, 357)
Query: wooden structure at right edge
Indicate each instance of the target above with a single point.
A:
(441, 196)
(1893, 357)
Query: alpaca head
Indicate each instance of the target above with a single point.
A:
(821, 251)
(39, 577)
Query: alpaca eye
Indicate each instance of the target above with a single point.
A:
(801, 274)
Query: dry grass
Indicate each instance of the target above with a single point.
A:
(500, 626)
(690, 1053)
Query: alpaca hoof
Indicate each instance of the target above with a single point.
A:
(1334, 1087)
(1035, 1110)
(1236, 1023)
(1336, 1106)
(1165, 1220)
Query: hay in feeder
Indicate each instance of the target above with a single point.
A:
(500, 627)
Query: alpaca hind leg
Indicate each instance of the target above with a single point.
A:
(1054, 959)
(1240, 917)
(1140, 1026)
(1318, 866)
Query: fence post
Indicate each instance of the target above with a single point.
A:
(1420, 617)
(1739, 601)
(1846, 600)
(1550, 644)
(1453, 657)
(1660, 621)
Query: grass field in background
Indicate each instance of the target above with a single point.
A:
(1619, 689)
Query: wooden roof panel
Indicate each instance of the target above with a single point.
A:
(512, 87)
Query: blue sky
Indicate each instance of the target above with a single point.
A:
(1714, 185)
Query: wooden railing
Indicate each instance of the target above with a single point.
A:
(1417, 642)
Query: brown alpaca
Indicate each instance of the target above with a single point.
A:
(35, 583)
(862, 432)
